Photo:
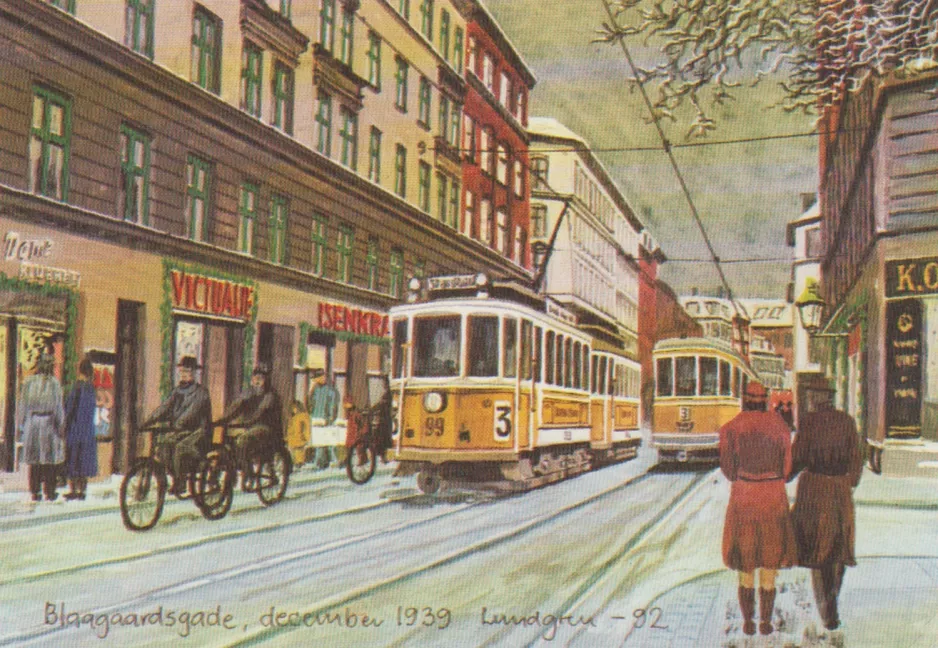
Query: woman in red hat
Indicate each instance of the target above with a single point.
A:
(755, 455)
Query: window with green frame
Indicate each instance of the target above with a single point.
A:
(442, 196)
(134, 190)
(327, 25)
(318, 237)
(423, 186)
(343, 249)
(374, 60)
(371, 262)
(403, 8)
(444, 34)
(457, 49)
(247, 215)
(454, 204)
(374, 156)
(252, 64)
(444, 118)
(426, 18)
(138, 26)
(400, 97)
(347, 35)
(324, 121)
(349, 136)
(64, 5)
(50, 144)
(283, 97)
(206, 50)
(423, 105)
(400, 171)
(198, 203)
(286, 9)
(277, 245)
(395, 272)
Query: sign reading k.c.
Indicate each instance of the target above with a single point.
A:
(910, 277)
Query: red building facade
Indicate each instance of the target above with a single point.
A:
(496, 192)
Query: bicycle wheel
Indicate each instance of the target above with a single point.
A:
(273, 477)
(361, 461)
(213, 484)
(143, 492)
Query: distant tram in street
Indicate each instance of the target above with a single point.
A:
(699, 384)
(494, 385)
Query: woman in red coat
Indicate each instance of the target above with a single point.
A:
(755, 455)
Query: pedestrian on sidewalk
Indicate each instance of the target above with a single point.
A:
(755, 456)
(826, 452)
(40, 419)
(323, 412)
(80, 444)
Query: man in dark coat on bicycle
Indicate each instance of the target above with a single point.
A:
(259, 415)
(188, 410)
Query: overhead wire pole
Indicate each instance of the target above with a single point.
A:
(666, 145)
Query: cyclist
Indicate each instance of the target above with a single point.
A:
(258, 413)
(189, 413)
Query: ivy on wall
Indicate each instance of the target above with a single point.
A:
(69, 352)
(166, 321)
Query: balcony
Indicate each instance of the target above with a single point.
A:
(335, 77)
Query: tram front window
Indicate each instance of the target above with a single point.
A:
(708, 376)
(686, 370)
(436, 346)
(483, 346)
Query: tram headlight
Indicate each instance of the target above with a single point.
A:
(434, 402)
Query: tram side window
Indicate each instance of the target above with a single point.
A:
(736, 380)
(611, 382)
(397, 352)
(708, 376)
(665, 377)
(686, 376)
(568, 363)
(586, 367)
(577, 359)
(525, 350)
(483, 346)
(602, 375)
(549, 359)
(510, 354)
(558, 363)
(593, 375)
(538, 358)
(436, 346)
(726, 387)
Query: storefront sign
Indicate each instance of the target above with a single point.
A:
(18, 248)
(904, 368)
(912, 277)
(335, 317)
(201, 294)
(47, 275)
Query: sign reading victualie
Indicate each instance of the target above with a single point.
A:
(201, 294)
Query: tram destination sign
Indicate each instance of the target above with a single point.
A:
(911, 277)
(452, 282)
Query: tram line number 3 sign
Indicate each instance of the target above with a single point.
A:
(502, 420)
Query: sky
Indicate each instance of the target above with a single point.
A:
(745, 193)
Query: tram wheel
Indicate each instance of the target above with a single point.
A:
(429, 482)
(361, 462)
(143, 492)
(214, 485)
(273, 477)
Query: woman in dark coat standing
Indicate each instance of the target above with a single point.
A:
(755, 455)
(80, 442)
(827, 450)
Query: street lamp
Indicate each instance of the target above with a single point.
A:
(539, 253)
(810, 306)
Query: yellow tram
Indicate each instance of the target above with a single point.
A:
(699, 384)
(493, 384)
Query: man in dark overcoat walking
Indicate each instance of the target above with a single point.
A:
(826, 452)
(755, 455)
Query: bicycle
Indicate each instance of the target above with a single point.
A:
(363, 444)
(143, 489)
(265, 469)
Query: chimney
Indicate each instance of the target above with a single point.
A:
(807, 200)
(693, 291)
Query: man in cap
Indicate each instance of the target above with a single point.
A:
(827, 450)
(188, 410)
(259, 415)
(755, 456)
(323, 411)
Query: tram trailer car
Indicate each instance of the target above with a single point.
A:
(699, 384)
(491, 392)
